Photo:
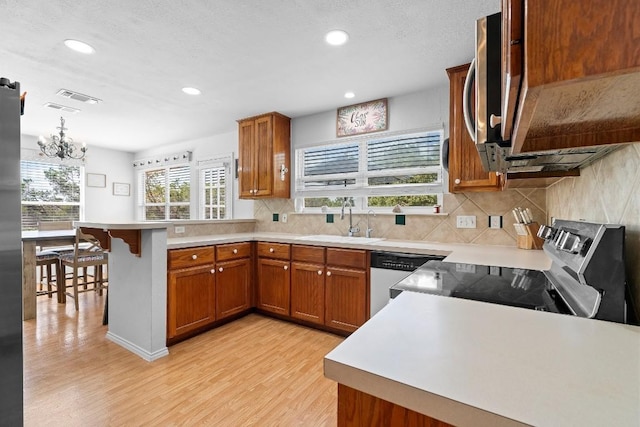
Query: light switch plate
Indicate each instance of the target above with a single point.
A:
(466, 221)
(495, 221)
(179, 229)
(284, 217)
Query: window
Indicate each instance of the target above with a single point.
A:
(166, 193)
(213, 182)
(373, 173)
(50, 192)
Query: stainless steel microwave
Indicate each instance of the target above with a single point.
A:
(486, 71)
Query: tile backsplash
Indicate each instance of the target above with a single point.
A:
(607, 192)
(436, 228)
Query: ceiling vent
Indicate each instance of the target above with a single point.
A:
(61, 108)
(78, 96)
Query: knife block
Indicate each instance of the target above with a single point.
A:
(527, 237)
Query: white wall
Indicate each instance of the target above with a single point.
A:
(426, 108)
(100, 203)
(202, 149)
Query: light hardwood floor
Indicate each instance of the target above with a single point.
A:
(253, 371)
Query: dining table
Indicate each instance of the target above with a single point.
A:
(30, 241)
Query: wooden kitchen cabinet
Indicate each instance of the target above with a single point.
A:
(465, 169)
(346, 289)
(233, 281)
(264, 159)
(191, 288)
(274, 278)
(308, 283)
(577, 65)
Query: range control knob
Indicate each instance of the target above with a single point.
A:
(545, 232)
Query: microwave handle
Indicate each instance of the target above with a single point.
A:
(466, 100)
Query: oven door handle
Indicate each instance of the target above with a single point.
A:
(466, 100)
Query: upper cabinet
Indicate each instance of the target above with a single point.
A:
(465, 169)
(571, 73)
(264, 159)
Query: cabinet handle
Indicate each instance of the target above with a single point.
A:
(319, 272)
(457, 181)
(286, 267)
(221, 269)
(272, 250)
(213, 271)
(235, 251)
(328, 273)
(194, 256)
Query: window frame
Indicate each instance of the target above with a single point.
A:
(142, 203)
(225, 162)
(360, 190)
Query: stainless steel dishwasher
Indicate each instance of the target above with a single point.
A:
(387, 269)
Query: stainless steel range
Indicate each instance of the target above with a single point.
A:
(586, 279)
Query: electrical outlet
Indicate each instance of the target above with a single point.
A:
(466, 221)
(495, 221)
(284, 217)
(179, 229)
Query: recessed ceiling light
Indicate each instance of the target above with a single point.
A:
(336, 37)
(349, 95)
(191, 91)
(79, 46)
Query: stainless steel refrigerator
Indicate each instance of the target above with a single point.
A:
(11, 378)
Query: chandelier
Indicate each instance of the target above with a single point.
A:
(61, 146)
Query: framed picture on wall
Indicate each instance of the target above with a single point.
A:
(372, 116)
(96, 180)
(121, 189)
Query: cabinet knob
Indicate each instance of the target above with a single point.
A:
(457, 181)
(286, 267)
(213, 271)
(319, 272)
(194, 256)
(235, 251)
(221, 269)
(328, 273)
(272, 250)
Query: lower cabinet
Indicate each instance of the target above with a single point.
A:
(346, 298)
(274, 278)
(307, 292)
(233, 287)
(191, 288)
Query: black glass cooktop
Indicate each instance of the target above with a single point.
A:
(499, 285)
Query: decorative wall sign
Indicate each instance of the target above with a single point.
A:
(96, 180)
(120, 189)
(366, 117)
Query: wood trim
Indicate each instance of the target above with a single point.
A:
(101, 235)
(133, 238)
(359, 409)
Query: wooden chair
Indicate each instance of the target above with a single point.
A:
(86, 253)
(47, 258)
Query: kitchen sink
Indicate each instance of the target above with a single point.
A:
(339, 239)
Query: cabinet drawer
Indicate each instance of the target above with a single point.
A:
(313, 254)
(233, 251)
(190, 257)
(347, 258)
(274, 250)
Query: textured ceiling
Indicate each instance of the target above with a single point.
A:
(247, 57)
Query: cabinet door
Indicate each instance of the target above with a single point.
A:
(263, 152)
(465, 169)
(246, 183)
(345, 298)
(274, 286)
(190, 299)
(232, 287)
(307, 292)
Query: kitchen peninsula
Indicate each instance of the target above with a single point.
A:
(137, 284)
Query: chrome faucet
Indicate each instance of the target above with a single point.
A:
(353, 230)
(369, 229)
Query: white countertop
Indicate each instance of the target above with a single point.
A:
(471, 363)
(131, 225)
(501, 256)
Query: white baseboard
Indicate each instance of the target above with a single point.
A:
(146, 355)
